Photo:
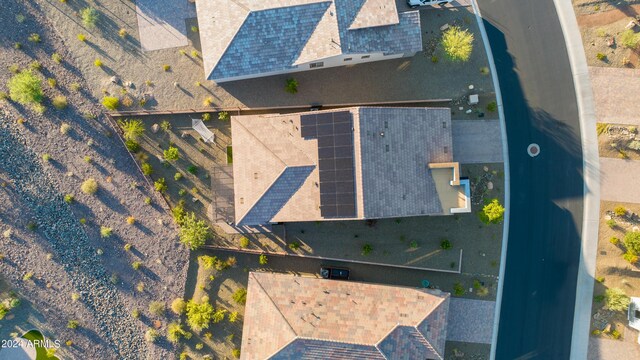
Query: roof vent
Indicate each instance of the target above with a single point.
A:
(381, 133)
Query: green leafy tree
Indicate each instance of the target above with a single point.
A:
(199, 314)
(171, 154)
(492, 213)
(193, 232)
(291, 86)
(89, 17)
(630, 39)
(632, 242)
(132, 129)
(457, 43)
(111, 102)
(615, 299)
(240, 296)
(25, 88)
(175, 332)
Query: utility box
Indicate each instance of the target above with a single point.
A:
(473, 99)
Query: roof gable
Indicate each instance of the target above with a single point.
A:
(375, 13)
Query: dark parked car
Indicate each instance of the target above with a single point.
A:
(334, 273)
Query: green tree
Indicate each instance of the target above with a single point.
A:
(630, 39)
(615, 299)
(240, 296)
(263, 260)
(175, 331)
(193, 232)
(132, 129)
(632, 242)
(457, 43)
(492, 213)
(171, 154)
(25, 88)
(199, 314)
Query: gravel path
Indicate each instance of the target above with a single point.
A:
(69, 242)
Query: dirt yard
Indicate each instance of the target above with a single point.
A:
(612, 271)
(618, 141)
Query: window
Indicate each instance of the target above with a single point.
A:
(348, 59)
(316, 65)
(365, 56)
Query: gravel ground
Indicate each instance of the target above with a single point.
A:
(33, 190)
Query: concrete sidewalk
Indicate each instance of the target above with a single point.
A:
(618, 177)
(615, 93)
(476, 141)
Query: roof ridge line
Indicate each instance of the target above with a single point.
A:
(274, 304)
(260, 141)
(238, 221)
(334, 341)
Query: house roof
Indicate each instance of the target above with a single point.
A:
(244, 37)
(377, 167)
(307, 318)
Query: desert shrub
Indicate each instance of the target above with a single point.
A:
(132, 129)
(632, 242)
(25, 88)
(294, 245)
(480, 289)
(620, 211)
(601, 128)
(81, 37)
(20, 18)
(132, 145)
(151, 335)
(175, 332)
(634, 145)
(89, 17)
(199, 314)
(73, 324)
(147, 200)
(34, 38)
(65, 128)
(601, 56)
(166, 67)
(207, 261)
(89, 186)
(630, 257)
(291, 86)
(611, 223)
(105, 231)
(192, 169)
(57, 58)
(600, 279)
(147, 169)
(59, 102)
(52, 82)
(178, 306)
(457, 43)
(14, 68)
(157, 308)
(244, 242)
(87, 159)
(233, 317)
(127, 101)
(263, 260)
(34, 65)
(614, 240)
(630, 39)
(206, 116)
(69, 198)
(413, 244)
(171, 154)
(615, 299)
(122, 33)
(46, 157)
(235, 353)
(223, 116)
(165, 125)
(74, 86)
(195, 53)
(492, 106)
(17, 45)
(110, 102)
(97, 63)
(136, 265)
(28, 276)
(445, 244)
(492, 213)
(160, 185)
(193, 233)
(208, 101)
(178, 176)
(458, 289)
(240, 296)
(615, 334)
(127, 247)
(367, 249)
(131, 220)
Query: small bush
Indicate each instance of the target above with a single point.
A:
(235, 353)
(87, 159)
(195, 53)
(445, 244)
(74, 86)
(620, 211)
(630, 257)
(632, 242)
(615, 334)
(193, 233)
(458, 289)
(28, 276)
(131, 220)
(122, 33)
(223, 116)
(147, 169)
(34, 65)
(165, 126)
(73, 324)
(492, 213)
(46, 157)
(57, 58)
(178, 306)
(65, 128)
(136, 265)
(199, 314)
(175, 332)
(413, 244)
(492, 106)
(240, 296)
(89, 186)
(206, 116)
(457, 43)
(601, 56)
(17, 45)
(34, 38)
(291, 86)
(367, 249)
(110, 102)
(105, 232)
(89, 17)
(157, 308)
(178, 176)
(69, 198)
(194, 29)
(147, 200)
(52, 82)
(600, 279)
(614, 240)
(166, 67)
(616, 300)
(160, 185)
(630, 39)
(97, 63)
(263, 260)
(294, 245)
(171, 154)
(132, 145)
(81, 37)
(434, 59)
(192, 169)
(127, 247)
(233, 317)
(208, 101)
(244, 242)
(612, 223)
(151, 335)
(60, 102)
(25, 88)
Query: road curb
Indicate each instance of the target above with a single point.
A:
(507, 177)
(591, 173)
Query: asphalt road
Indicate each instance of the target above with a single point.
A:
(543, 251)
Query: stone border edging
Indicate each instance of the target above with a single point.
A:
(591, 171)
(507, 178)
(259, 252)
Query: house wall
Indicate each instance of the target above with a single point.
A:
(327, 63)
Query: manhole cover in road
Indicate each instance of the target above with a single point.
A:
(533, 150)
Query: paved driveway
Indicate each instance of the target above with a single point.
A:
(161, 23)
(615, 94)
(618, 178)
(470, 320)
(476, 141)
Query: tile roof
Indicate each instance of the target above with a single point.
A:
(304, 318)
(390, 172)
(249, 37)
